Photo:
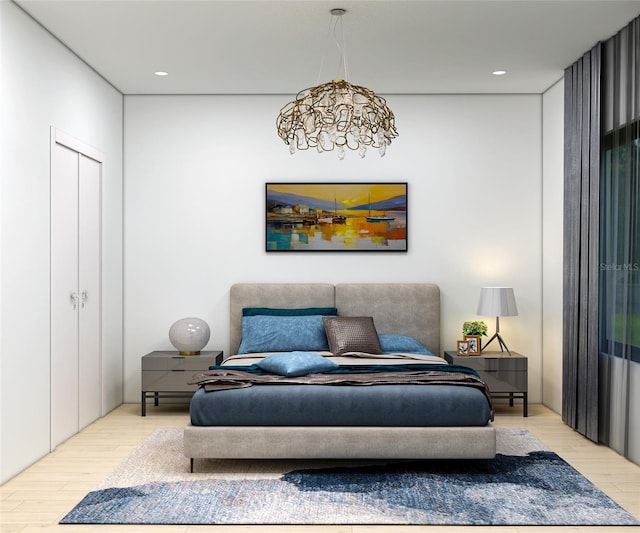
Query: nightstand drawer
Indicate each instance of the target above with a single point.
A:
(163, 381)
(493, 364)
(173, 361)
(505, 381)
(182, 362)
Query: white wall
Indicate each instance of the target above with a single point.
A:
(196, 168)
(43, 85)
(552, 239)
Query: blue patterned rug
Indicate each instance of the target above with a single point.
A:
(525, 485)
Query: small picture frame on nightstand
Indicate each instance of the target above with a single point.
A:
(474, 344)
(463, 348)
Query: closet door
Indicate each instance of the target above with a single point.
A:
(76, 391)
(89, 231)
(64, 294)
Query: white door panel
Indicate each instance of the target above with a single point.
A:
(64, 294)
(90, 391)
(75, 286)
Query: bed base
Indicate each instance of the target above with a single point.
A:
(319, 442)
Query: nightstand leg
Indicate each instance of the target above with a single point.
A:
(525, 408)
(143, 405)
(156, 398)
(511, 399)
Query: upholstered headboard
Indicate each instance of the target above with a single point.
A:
(404, 308)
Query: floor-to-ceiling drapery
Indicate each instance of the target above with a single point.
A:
(619, 358)
(601, 348)
(581, 237)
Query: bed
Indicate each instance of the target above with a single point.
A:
(319, 421)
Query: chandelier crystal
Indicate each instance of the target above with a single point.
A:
(337, 115)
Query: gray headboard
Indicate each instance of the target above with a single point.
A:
(405, 308)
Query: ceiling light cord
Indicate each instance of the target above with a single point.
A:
(341, 45)
(338, 41)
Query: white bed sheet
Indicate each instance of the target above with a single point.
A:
(349, 358)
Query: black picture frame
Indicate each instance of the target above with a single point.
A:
(336, 217)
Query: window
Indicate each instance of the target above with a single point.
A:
(619, 279)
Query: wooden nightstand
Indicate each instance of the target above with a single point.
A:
(506, 375)
(166, 374)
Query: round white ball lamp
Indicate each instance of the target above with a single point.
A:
(189, 335)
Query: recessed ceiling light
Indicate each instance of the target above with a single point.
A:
(499, 72)
(161, 73)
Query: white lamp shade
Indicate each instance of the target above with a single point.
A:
(497, 301)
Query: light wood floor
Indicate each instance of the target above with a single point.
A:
(35, 500)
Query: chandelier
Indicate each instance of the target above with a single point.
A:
(337, 115)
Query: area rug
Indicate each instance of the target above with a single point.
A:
(526, 484)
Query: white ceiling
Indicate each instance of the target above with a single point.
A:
(277, 46)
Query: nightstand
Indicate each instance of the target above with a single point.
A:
(166, 374)
(506, 375)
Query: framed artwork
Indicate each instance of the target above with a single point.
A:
(474, 344)
(336, 217)
(463, 348)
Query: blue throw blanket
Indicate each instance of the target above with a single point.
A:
(219, 378)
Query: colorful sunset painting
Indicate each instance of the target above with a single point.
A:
(336, 217)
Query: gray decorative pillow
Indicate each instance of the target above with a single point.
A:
(351, 334)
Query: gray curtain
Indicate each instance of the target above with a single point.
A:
(581, 241)
(601, 339)
(620, 240)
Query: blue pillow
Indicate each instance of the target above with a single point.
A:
(253, 311)
(391, 343)
(265, 333)
(295, 364)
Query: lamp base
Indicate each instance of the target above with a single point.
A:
(503, 345)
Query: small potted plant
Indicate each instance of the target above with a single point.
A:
(475, 327)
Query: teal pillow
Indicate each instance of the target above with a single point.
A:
(253, 311)
(264, 333)
(293, 364)
(391, 343)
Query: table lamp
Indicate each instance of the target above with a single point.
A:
(189, 335)
(497, 301)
